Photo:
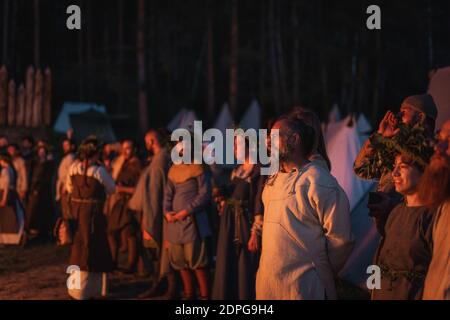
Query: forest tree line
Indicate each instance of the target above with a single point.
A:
(145, 59)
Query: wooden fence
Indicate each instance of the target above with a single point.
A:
(26, 105)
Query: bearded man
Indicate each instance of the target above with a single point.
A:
(435, 191)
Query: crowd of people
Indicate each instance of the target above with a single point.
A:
(238, 234)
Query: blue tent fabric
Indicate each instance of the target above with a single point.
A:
(63, 124)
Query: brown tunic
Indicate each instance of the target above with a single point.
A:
(119, 215)
(90, 250)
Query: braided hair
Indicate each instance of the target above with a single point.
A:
(87, 150)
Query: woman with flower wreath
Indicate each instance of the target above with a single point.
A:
(88, 184)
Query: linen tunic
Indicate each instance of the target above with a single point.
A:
(306, 236)
(193, 195)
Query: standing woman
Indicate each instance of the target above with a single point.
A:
(235, 259)
(88, 184)
(40, 202)
(11, 210)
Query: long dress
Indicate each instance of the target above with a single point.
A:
(12, 215)
(90, 251)
(235, 264)
(40, 202)
(120, 217)
(404, 254)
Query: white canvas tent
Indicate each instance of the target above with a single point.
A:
(63, 124)
(343, 142)
(183, 119)
(335, 114)
(439, 89)
(85, 119)
(252, 117)
(224, 120)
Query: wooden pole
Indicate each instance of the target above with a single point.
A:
(5, 30)
(29, 91)
(211, 104)
(142, 95)
(11, 103)
(3, 94)
(234, 58)
(20, 118)
(37, 36)
(47, 97)
(37, 101)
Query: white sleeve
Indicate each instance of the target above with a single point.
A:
(333, 209)
(68, 182)
(106, 179)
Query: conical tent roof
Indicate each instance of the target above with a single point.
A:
(63, 124)
(335, 114)
(184, 119)
(363, 124)
(252, 117)
(224, 120)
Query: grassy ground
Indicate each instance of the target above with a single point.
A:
(38, 272)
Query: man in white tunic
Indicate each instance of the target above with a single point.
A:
(306, 235)
(63, 171)
(21, 171)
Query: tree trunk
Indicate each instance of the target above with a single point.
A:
(273, 60)
(20, 119)
(37, 101)
(280, 61)
(37, 35)
(3, 94)
(430, 35)
(47, 97)
(80, 60)
(234, 58)
(5, 30)
(90, 57)
(262, 53)
(296, 58)
(11, 103)
(210, 64)
(120, 56)
(29, 91)
(142, 96)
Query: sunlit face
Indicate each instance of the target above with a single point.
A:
(406, 176)
(12, 151)
(127, 149)
(42, 153)
(274, 144)
(149, 141)
(409, 115)
(3, 142)
(67, 147)
(442, 147)
(26, 144)
(240, 146)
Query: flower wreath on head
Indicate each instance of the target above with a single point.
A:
(89, 146)
(411, 141)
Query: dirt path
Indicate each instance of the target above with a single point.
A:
(39, 273)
